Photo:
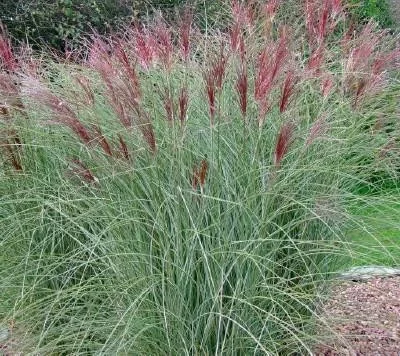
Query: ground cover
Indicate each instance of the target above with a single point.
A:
(376, 240)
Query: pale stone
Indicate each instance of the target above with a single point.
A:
(4, 333)
(368, 272)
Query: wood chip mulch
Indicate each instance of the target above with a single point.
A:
(363, 318)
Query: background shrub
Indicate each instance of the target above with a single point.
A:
(55, 22)
(364, 10)
(64, 22)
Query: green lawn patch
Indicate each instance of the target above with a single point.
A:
(375, 239)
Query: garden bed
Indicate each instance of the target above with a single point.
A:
(363, 318)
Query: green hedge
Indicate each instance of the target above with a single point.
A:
(364, 10)
(57, 23)
(60, 22)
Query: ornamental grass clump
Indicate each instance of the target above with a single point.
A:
(181, 192)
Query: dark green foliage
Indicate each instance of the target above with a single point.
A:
(364, 10)
(62, 23)
(55, 23)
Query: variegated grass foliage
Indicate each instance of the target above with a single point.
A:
(175, 191)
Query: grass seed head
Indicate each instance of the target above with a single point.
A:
(283, 142)
(183, 104)
(185, 31)
(242, 88)
(123, 148)
(287, 90)
(7, 58)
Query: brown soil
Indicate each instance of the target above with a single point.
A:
(364, 319)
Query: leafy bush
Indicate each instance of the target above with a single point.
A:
(364, 10)
(63, 23)
(184, 192)
(55, 22)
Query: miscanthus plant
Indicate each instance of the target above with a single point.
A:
(172, 191)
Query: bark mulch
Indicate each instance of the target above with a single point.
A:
(363, 318)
